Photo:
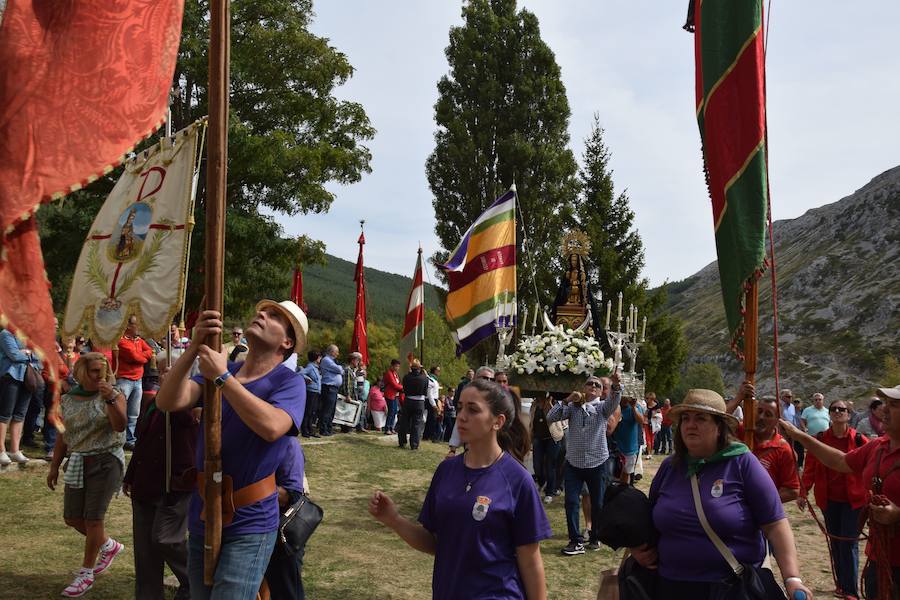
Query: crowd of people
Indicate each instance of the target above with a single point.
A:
(716, 505)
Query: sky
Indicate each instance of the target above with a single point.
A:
(833, 102)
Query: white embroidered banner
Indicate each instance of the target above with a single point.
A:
(133, 259)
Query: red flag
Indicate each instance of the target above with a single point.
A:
(360, 340)
(414, 325)
(297, 290)
(80, 84)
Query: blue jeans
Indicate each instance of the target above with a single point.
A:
(310, 412)
(663, 440)
(327, 405)
(132, 390)
(449, 422)
(545, 453)
(14, 400)
(573, 479)
(242, 564)
(843, 520)
(33, 418)
(392, 407)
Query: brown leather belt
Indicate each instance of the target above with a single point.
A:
(233, 500)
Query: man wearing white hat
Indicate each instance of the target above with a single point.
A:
(263, 403)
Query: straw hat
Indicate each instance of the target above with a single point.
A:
(706, 401)
(890, 393)
(294, 315)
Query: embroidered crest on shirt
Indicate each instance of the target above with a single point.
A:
(480, 509)
(717, 488)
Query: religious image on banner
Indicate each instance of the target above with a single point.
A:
(133, 260)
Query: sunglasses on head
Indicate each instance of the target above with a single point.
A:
(838, 409)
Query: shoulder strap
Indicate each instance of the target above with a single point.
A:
(724, 550)
(859, 439)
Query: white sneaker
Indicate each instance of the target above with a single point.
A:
(5, 461)
(19, 457)
(548, 499)
(82, 583)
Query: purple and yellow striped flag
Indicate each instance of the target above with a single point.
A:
(482, 275)
(731, 113)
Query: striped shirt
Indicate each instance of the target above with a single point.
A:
(586, 438)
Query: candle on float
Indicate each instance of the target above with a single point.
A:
(608, 311)
(634, 321)
(619, 318)
(537, 308)
(644, 329)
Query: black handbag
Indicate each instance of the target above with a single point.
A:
(297, 524)
(748, 582)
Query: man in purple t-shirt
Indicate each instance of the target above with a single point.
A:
(263, 403)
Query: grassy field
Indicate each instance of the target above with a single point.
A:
(351, 556)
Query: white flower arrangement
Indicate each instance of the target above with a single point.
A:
(557, 351)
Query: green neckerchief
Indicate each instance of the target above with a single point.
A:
(731, 450)
(80, 391)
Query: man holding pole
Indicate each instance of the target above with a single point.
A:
(263, 404)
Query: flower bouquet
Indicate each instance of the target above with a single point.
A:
(558, 359)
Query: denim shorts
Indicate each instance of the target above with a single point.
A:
(14, 399)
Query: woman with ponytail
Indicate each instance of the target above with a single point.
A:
(482, 518)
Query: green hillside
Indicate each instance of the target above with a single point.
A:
(330, 293)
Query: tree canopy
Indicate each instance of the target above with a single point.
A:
(502, 117)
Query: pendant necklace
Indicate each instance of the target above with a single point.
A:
(472, 482)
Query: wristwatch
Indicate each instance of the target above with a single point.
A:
(220, 380)
(112, 400)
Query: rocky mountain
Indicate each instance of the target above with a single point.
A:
(838, 270)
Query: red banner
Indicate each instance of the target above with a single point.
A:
(360, 340)
(80, 84)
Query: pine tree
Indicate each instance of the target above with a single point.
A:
(615, 263)
(502, 118)
(617, 252)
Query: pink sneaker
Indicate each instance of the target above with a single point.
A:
(106, 557)
(82, 583)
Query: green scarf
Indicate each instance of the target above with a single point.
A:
(731, 450)
(80, 391)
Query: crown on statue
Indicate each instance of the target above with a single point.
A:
(576, 242)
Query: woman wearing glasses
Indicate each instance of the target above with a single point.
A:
(840, 496)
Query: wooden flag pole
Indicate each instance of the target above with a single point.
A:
(750, 352)
(216, 176)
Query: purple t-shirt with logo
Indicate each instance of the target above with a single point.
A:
(246, 457)
(477, 532)
(738, 498)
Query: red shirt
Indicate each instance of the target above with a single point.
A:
(132, 355)
(666, 421)
(829, 484)
(392, 385)
(862, 461)
(777, 457)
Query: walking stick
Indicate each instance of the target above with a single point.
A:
(216, 176)
(750, 345)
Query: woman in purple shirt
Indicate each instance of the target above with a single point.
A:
(739, 499)
(482, 518)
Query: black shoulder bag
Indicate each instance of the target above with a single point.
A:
(297, 524)
(748, 582)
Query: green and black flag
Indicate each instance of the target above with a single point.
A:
(731, 113)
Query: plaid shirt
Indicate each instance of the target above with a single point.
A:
(586, 438)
